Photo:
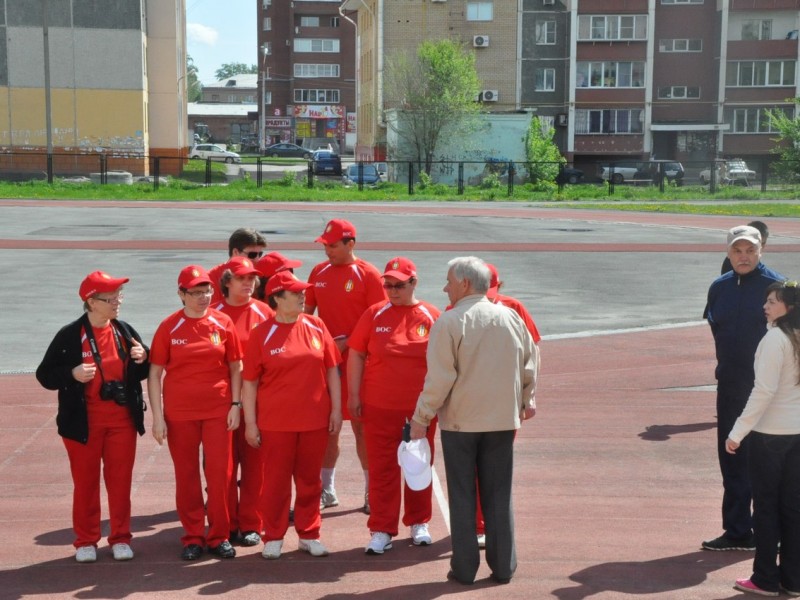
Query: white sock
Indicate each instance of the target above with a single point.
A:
(328, 477)
(366, 480)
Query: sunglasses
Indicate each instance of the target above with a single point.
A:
(254, 255)
(395, 286)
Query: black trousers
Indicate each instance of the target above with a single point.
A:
(775, 476)
(491, 456)
(737, 520)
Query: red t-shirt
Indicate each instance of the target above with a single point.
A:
(104, 413)
(215, 274)
(196, 354)
(246, 317)
(341, 293)
(519, 308)
(395, 339)
(290, 363)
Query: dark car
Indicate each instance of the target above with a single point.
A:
(653, 170)
(324, 162)
(569, 175)
(366, 174)
(287, 150)
(248, 143)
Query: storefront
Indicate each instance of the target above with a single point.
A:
(320, 121)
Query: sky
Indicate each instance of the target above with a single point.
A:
(220, 32)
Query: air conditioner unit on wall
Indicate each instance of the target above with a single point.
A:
(490, 95)
(548, 2)
(561, 119)
(480, 41)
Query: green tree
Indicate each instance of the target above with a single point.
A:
(230, 69)
(789, 140)
(544, 158)
(432, 90)
(194, 88)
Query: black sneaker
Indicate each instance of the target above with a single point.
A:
(223, 550)
(191, 552)
(250, 538)
(723, 543)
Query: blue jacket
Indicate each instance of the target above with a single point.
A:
(736, 315)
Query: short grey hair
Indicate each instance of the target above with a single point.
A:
(474, 270)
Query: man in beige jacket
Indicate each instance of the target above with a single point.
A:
(481, 381)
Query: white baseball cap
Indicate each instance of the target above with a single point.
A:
(414, 458)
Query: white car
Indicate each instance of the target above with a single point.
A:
(734, 171)
(214, 152)
(623, 171)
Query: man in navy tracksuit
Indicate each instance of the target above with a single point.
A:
(736, 315)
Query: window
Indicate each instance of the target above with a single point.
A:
(267, 24)
(612, 27)
(757, 29)
(265, 4)
(545, 80)
(267, 48)
(681, 1)
(545, 33)
(608, 121)
(547, 123)
(680, 45)
(479, 11)
(310, 45)
(753, 120)
(760, 73)
(334, 21)
(311, 70)
(604, 74)
(326, 96)
(309, 21)
(679, 92)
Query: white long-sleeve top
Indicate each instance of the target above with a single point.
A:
(774, 403)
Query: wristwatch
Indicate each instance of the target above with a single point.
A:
(239, 404)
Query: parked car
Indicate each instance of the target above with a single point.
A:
(383, 171)
(214, 152)
(623, 171)
(324, 162)
(249, 143)
(569, 175)
(368, 175)
(285, 149)
(653, 169)
(734, 171)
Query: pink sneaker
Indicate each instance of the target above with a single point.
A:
(745, 585)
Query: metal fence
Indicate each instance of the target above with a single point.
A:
(767, 174)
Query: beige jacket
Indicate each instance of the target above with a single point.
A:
(482, 368)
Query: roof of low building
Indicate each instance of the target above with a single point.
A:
(241, 81)
(214, 109)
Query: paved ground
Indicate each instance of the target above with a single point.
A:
(616, 479)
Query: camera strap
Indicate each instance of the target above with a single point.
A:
(87, 328)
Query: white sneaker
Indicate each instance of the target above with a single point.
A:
(86, 554)
(379, 543)
(272, 549)
(313, 547)
(328, 499)
(481, 540)
(420, 535)
(122, 552)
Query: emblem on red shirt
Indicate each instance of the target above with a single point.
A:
(422, 330)
(348, 287)
(316, 343)
(215, 339)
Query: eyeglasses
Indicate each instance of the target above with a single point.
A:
(254, 255)
(200, 294)
(113, 301)
(395, 286)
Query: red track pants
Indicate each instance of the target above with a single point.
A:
(383, 430)
(115, 448)
(244, 495)
(184, 439)
(287, 455)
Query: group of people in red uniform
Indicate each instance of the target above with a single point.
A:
(228, 374)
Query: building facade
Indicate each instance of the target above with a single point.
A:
(307, 66)
(672, 79)
(114, 77)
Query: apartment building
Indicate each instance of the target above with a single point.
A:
(307, 65)
(681, 79)
(113, 79)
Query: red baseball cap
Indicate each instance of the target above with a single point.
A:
(400, 268)
(336, 230)
(284, 281)
(274, 262)
(191, 276)
(241, 265)
(99, 283)
(494, 282)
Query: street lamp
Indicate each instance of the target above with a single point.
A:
(263, 112)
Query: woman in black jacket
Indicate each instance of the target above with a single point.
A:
(97, 363)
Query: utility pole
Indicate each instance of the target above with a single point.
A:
(48, 115)
(263, 112)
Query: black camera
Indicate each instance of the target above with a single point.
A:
(114, 390)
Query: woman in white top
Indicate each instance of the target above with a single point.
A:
(772, 419)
